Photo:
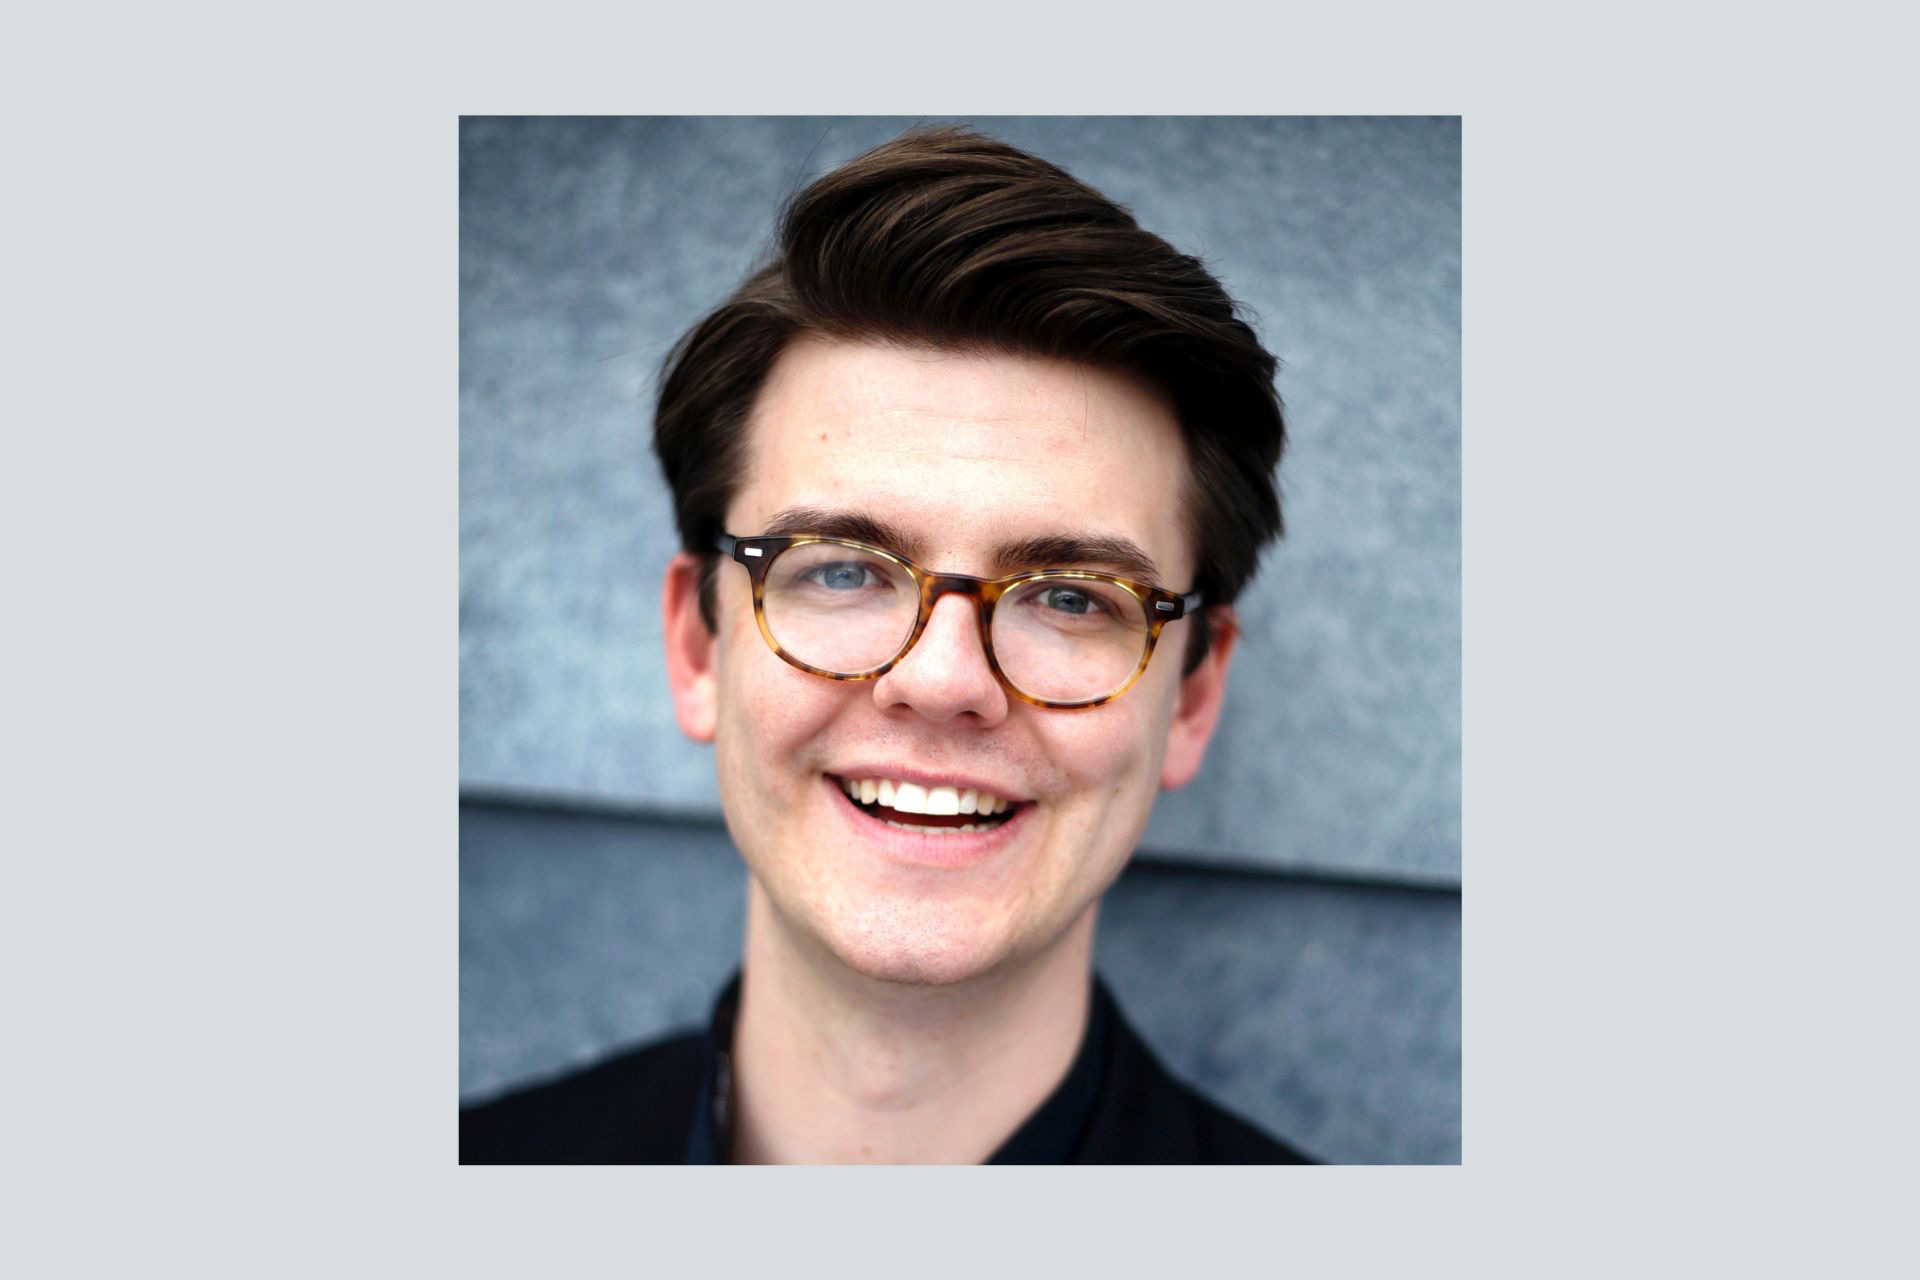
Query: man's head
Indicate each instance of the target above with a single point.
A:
(969, 358)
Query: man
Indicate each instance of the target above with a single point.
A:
(967, 480)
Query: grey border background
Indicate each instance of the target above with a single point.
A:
(1586, 493)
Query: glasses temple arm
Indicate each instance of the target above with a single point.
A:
(1185, 606)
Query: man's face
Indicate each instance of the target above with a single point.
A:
(963, 456)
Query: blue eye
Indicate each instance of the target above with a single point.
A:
(1068, 600)
(843, 576)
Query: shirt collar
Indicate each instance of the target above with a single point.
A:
(1051, 1135)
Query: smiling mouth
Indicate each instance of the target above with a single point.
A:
(929, 810)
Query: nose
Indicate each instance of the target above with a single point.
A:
(945, 675)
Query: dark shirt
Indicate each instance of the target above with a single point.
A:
(671, 1103)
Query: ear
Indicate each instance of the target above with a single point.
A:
(1197, 710)
(690, 650)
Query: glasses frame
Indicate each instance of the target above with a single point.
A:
(1160, 606)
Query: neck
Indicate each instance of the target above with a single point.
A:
(833, 1067)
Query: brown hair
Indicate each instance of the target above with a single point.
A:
(944, 237)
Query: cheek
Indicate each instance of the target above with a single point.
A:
(769, 713)
(1111, 754)
(1109, 767)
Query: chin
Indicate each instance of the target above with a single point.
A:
(913, 946)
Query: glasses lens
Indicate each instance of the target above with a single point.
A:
(1069, 639)
(839, 608)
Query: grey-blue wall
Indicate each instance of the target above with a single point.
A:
(589, 245)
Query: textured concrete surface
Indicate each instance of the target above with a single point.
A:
(588, 245)
(1328, 1013)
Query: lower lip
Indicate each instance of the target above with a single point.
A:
(949, 849)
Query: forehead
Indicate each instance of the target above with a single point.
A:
(967, 451)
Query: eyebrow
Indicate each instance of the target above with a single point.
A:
(1121, 556)
(855, 526)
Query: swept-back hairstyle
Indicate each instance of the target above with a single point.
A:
(946, 238)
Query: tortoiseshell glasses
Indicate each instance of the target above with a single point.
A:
(1060, 638)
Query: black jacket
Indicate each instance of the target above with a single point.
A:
(667, 1104)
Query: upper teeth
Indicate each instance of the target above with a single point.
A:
(911, 797)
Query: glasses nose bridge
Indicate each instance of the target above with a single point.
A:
(937, 586)
(958, 669)
(934, 586)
